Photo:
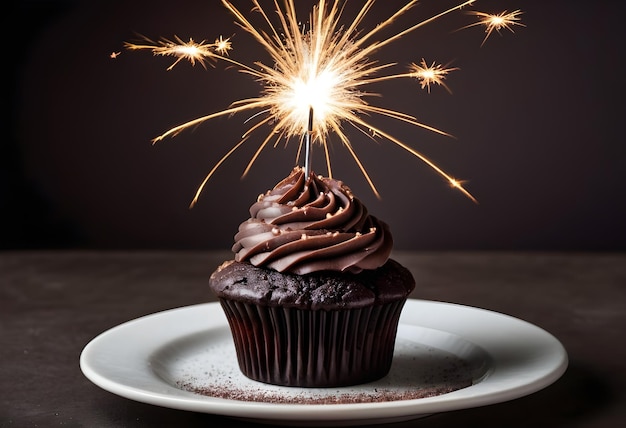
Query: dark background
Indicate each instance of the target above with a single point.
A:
(537, 115)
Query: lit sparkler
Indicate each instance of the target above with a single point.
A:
(316, 83)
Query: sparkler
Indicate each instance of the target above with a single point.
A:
(316, 83)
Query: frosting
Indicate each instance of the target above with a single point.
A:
(314, 224)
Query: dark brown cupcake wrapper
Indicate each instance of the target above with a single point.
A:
(313, 348)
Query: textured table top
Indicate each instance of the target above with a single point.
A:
(53, 303)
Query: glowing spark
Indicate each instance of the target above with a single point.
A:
(324, 69)
(433, 74)
(191, 51)
(222, 46)
(114, 55)
(458, 184)
(497, 22)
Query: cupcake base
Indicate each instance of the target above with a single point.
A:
(304, 348)
(326, 329)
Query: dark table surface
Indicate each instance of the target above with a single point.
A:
(53, 303)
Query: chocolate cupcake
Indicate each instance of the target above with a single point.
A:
(312, 298)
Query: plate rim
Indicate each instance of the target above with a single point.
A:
(481, 393)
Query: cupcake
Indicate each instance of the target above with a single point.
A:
(311, 297)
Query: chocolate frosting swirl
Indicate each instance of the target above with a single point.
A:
(302, 226)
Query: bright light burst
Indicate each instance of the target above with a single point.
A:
(497, 21)
(323, 68)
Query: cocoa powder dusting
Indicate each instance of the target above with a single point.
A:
(376, 395)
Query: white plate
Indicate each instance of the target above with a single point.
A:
(160, 358)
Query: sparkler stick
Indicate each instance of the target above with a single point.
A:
(307, 146)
